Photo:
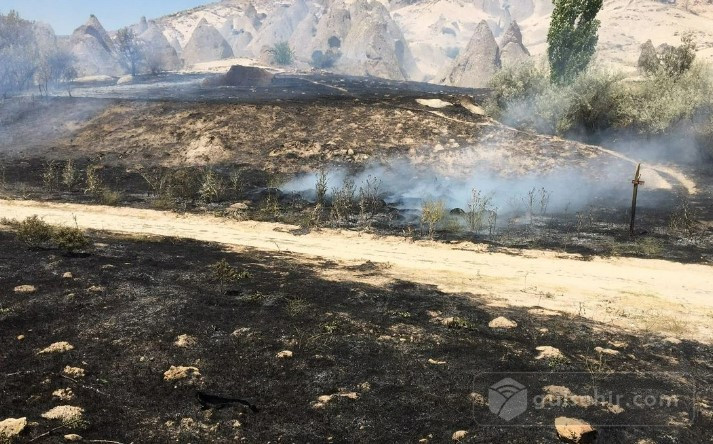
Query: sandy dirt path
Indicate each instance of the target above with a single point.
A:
(661, 297)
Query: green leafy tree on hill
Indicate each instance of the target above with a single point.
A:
(572, 38)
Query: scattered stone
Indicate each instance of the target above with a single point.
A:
(20, 337)
(74, 372)
(434, 362)
(239, 206)
(458, 435)
(185, 341)
(96, 289)
(12, 427)
(672, 340)
(606, 351)
(502, 322)
(65, 413)
(323, 400)
(575, 430)
(241, 332)
(72, 437)
(618, 344)
(65, 394)
(434, 103)
(108, 267)
(25, 289)
(68, 275)
(177, 373)
(57, 347)
(477, 399)
(548, 352)
(285, 354)
(615, 409)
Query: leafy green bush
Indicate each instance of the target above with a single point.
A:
(572, 37)
(282, 54)
(34, 231)
(69, 239)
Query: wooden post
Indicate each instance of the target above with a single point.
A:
(636, 182)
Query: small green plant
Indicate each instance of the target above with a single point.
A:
(321, 188)
(342, 202)
(237, 182)
(212, 188)
(282, 54)
(432, 213)
(109, 197)
(296, 306)
(225, 274)
(70, 239)
(50, 176)
(37, 233)
(94, 182)
(70, 175)
(33, 231)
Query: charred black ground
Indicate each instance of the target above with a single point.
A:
(130, 299)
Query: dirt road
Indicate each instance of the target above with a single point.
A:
(640, 295)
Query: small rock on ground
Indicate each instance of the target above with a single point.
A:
(68, 275)
(575, 430)
(285, 354)
(606, 351)
(176, 373)
(57, 347)
(65, 394)
(25, 289)
(12, 427)
(185, 341)
(502, 322)
(548, 352)
(74, 372)
(66, 413)
(458, 435)
(72, 437)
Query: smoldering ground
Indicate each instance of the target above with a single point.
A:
(406, 185)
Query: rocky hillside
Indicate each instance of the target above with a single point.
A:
(458, 42)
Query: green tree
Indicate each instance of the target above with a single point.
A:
(572, 37)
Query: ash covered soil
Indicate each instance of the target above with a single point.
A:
(264, 137)
(393, 362)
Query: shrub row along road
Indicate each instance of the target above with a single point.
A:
(639, 295)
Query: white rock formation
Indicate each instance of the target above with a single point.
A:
(374, 45)
(478, 63)
(158, 50)
(512, 50)
(206, 45)
(95, 51)
(280, 25)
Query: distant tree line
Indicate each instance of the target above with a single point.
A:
(27, 59)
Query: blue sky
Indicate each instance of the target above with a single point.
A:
(66, 15)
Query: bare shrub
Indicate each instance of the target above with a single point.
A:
(370, 200)
(684, 219)
(432, 213)
(212, 188)
(478, 206)
(70, 175)
(343, 202)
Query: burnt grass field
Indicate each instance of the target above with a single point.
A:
(404, 362)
